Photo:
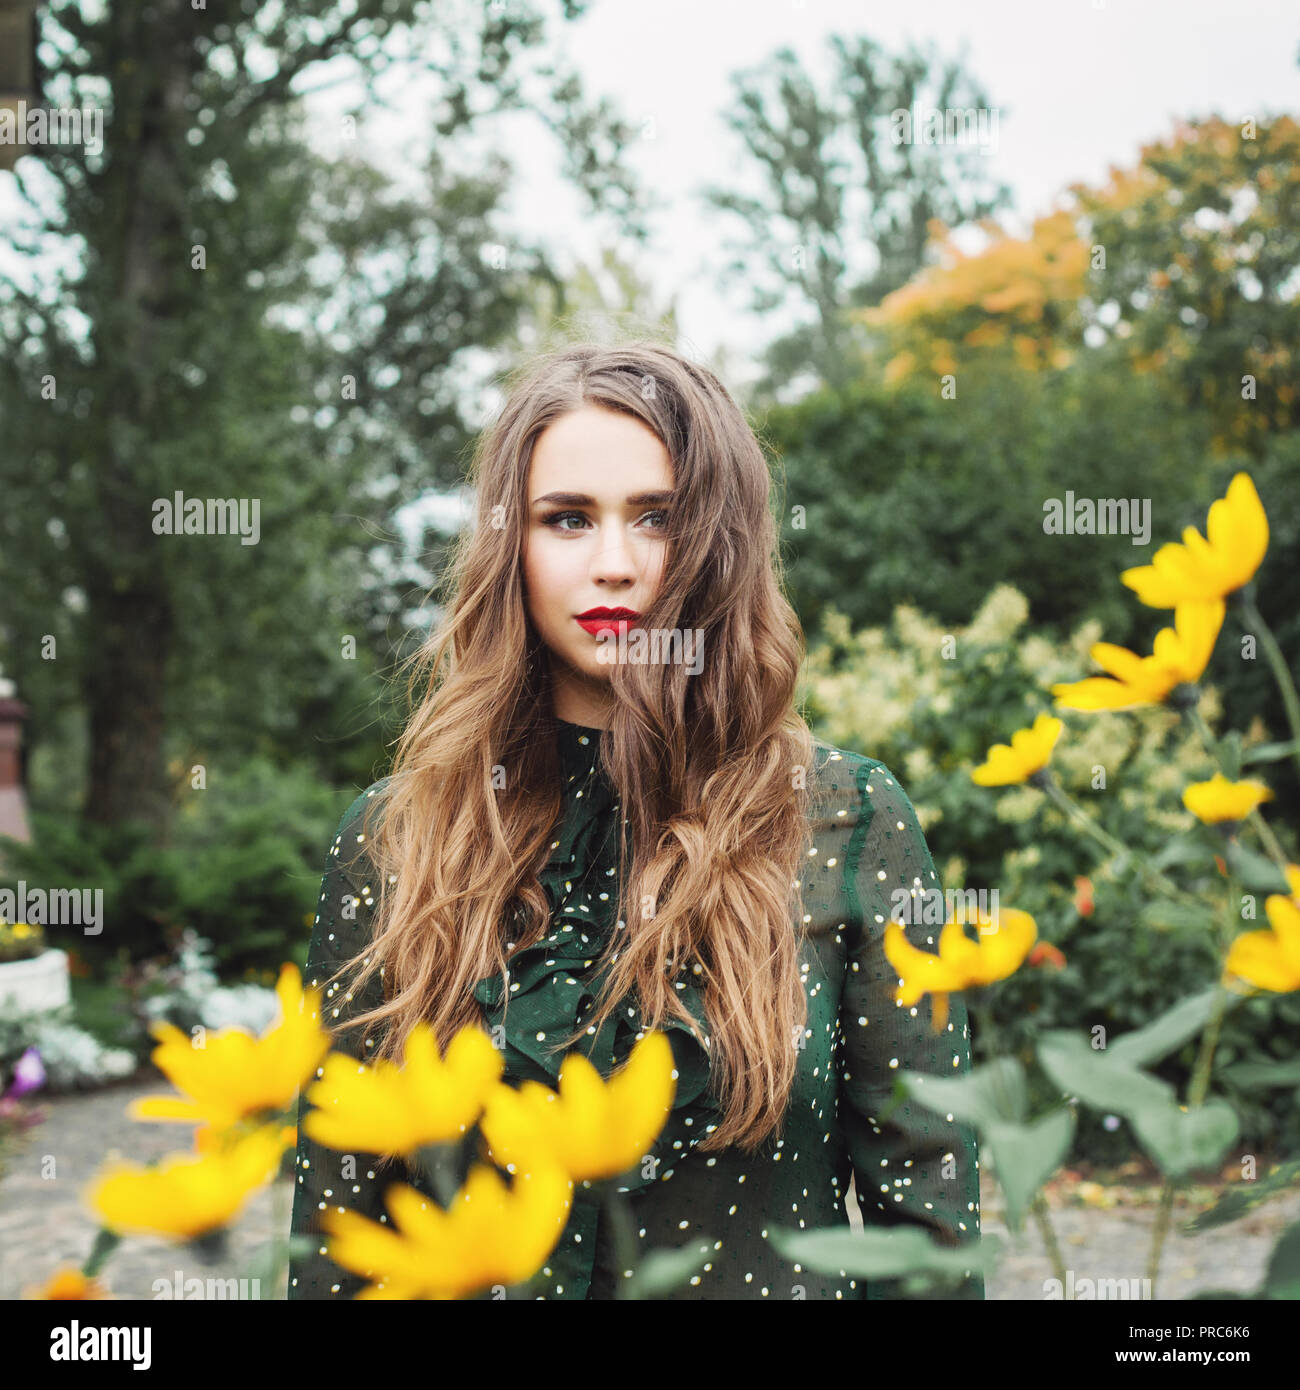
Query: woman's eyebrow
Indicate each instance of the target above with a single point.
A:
(582, 499)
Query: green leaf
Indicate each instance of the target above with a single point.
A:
(1230, 754)
(874, 1253)
(1255, 870)
(1260, 1076)
(1245, 1196)
(663, 1271)
(1025, 1156)
(1167, 1033)
(995, 1091)
(1270, 752)
(1163, 914)
(1099, 1080)
(106, 1242)
(1189, 848)
(1283, 1277)
(1183, 1140)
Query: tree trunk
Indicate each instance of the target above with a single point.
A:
(125, 691)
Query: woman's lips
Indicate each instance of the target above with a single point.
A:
(596, 626)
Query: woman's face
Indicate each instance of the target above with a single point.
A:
(598, 492)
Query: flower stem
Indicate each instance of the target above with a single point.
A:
(1043, 1220)
(1262, 827)
(1245, 604)
(618, 1212)
(1104, 838)
(1195, 1096)
(279, 1234)
(1042, 1212)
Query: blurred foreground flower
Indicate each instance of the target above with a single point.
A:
(67, 1283)
(187, 1195)
(236, 1076)
(388, 1108)
(491, 1234)
(1044, 953)
(592, 1127)
(1271, 959)
(1083, 903)
(1179, 654)
(1199, 569)
(1027, 753)
(961, 962)
(1219, 800)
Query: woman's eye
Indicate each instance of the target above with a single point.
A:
(555, 520)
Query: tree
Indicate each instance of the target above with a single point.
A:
(1202, 240)
(247, 321)
(840, 173)
(1182, 266)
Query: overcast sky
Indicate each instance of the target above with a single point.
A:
(1080, 85)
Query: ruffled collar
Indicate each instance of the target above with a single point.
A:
(553, 985)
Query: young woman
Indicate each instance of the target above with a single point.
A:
(599, 824)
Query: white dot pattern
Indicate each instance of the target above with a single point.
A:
(907, 1165)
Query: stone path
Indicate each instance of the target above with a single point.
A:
(43, 1225)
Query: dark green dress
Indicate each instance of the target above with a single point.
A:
(867, 843)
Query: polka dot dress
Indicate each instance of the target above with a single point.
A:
(906, 1165)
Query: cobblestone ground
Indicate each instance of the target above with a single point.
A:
(43, 1225)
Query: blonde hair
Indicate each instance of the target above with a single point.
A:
(712, 769)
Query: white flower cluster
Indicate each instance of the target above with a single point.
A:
(197, 998)
(73, 1059)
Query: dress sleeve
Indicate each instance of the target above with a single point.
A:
(325, 1177)
(909, 1165)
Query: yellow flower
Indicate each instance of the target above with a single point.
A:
(1293, 880)
(490, 1234)
(961, 963)
(388, 1108)
(1271, 959)
(1199, 569)
(22, 929)
(1180, 653)
(187, 1195)
(1026, 754)
(67, 1283)
(236, 1076)
(594, 1129)
(1220, 800)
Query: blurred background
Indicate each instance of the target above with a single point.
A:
(286, 255)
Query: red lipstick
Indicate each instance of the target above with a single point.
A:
(598, 620)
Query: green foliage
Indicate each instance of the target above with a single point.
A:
(218, 309)
(829, 177)
(928, 700)
(909, 498)
(243, 870)
(906, 1253)
(1245, 1197)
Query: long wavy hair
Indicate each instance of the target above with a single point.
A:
(712, 770)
